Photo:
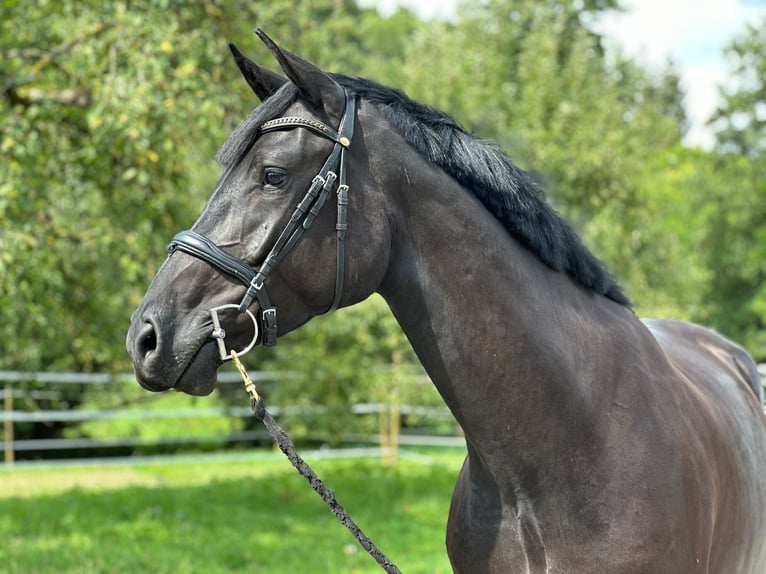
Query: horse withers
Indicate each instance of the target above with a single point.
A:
(596, 442)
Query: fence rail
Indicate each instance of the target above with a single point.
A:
(11, 416)
(13, 394)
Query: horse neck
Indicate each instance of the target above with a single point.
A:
(517, 350)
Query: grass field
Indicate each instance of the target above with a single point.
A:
(216, 515)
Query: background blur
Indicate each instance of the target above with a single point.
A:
(111, 114)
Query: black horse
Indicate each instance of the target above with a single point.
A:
(597, 442)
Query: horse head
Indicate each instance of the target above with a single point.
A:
(295, 227)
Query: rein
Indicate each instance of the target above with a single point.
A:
(326, 494)
(334, 169)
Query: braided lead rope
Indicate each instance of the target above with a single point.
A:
(326, 494)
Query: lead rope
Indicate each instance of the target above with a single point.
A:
(326, 494)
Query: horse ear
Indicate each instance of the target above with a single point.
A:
(316, 87)
(262, 81)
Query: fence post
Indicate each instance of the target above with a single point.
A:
(8, 423)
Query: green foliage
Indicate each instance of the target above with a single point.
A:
(734, 248)
(656, 246)
(109, 127)
(95, 185)
(539, 84)
(735, 230)
(208, 433)
(741, 120)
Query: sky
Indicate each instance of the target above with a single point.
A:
(691, 33)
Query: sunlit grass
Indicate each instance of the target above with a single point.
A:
(199, 516)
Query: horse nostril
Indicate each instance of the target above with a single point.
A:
(147, 340)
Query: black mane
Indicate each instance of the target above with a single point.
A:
(508, 192)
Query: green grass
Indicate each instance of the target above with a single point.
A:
(215, 515)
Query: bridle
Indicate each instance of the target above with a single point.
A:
(334, 169)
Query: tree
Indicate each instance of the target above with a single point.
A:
(735, 204)
(741, 119)
(108, 132)
(735, 249)
(94, 99)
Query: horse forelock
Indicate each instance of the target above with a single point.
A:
(509, 193)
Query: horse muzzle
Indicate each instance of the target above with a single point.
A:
(188, 363)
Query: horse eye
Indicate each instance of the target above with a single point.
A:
(274, 177)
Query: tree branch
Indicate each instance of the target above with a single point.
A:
(16, 94)
(81, 98)
(51, 56)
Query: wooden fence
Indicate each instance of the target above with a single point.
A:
(15, 394)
